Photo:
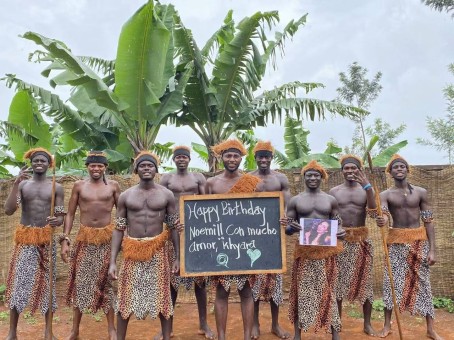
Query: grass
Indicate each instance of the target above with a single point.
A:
(29, 318)
(4, 315)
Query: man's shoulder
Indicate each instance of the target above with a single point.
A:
(335, 189)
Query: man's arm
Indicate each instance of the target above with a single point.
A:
(69, 220)
(72, 207)
(117, 235)
(202, 182)
(384, 219)
(209, 186)
(285, 188)
(117, 192)
(57, 219)
(11, 203)
(361, 178)
(426, 216)
(335, 215)
(164, 181)
(291, 222)
(171, 211)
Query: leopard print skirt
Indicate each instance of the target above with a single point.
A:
(226, 281)
(177, 280)
(312, 300)
(89, 286)
(144, 287)
(28, 278)
(268, 287)
(355, 272)
(411, 274)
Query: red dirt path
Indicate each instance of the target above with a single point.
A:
(93, 327)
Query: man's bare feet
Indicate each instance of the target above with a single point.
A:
(53, 336)
(255, 333)
(280, 333)
(11, 337)
(112, 334)
(385, 332)
(160, 337)
(74, 335)
(433, 335)
(369, 330)
(207, 332)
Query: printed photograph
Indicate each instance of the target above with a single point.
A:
(318, 232)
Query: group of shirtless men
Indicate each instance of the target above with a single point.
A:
(147, 226)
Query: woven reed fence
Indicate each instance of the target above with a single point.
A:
(437, 179)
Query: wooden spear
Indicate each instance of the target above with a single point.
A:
(385, 246)
(51, 262)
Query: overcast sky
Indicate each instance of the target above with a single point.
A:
(408, 42)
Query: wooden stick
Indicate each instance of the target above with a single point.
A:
(51, 262)
(385, 246)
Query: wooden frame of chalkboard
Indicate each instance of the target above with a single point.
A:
(228, 234)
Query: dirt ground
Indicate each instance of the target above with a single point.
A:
(93, 327)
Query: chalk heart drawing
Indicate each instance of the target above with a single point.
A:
(254, 254)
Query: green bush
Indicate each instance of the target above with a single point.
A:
(378, 305)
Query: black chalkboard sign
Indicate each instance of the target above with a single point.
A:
(232, 234)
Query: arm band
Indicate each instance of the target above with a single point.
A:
(367, 186)
(59, 210)
(386, 212)
(372, 213)
(288, 229)
(338, 218)
(18, 200)
(62, 237)
(121, 223)
(427, 216)
(170, 220)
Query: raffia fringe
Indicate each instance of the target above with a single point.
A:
(95, 236)
(32, 235)
(317, 252)
(137, 249)
(406, 235)
(246, 183)
(357, 234)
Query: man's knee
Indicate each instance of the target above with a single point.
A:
(245, 293)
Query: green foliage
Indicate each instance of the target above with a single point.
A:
(378, 305)
(297, 149)
(4, 315)
(440, 5)
(29, 318)
(225, 101)
(442, 130)
(386, 134)
(443, 303)
(2, 292)
(115, 106)
(361, 92)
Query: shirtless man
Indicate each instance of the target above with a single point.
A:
(232, 181)
(144, 277)
(183, 183)
(312, 299)
(28, 276)
(355, 196)
(271, 181)
(411, 247)
(89, 287)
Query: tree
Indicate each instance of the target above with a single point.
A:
(297, 149)
(359, 91)
(383, 130)
(217, 105)
(440, 5)
(442, 130)
(116, 106)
